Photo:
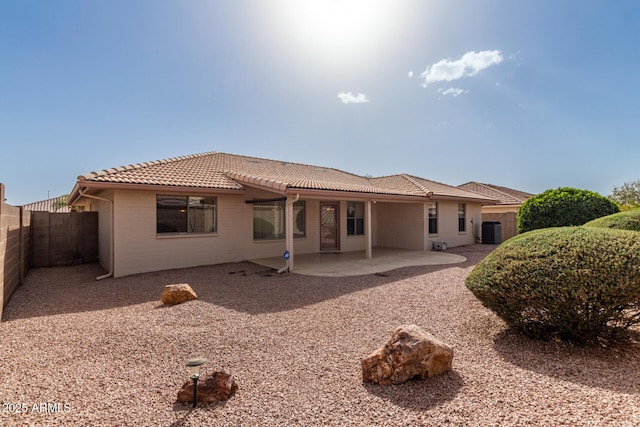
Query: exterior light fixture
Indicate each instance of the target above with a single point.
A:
(194, 370)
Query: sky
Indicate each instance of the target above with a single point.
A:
(528, 94)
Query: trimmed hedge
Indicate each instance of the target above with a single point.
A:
(626, 220)
(575, 283)
(563, 207)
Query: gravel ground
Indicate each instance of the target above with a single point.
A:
(108, 353)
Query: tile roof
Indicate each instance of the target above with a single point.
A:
(231, 172)
(421, 186)
(505, 195)
(198, 170)
(57, 204)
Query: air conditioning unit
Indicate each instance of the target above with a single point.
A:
(439, 246)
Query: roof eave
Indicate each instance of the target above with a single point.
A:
(485, 201)
(83, 185)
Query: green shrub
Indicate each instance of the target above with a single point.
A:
(575, 283)
(563, 207)
(627, 220)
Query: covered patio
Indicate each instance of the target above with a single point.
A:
(341, 264)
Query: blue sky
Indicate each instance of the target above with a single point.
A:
(526, 94)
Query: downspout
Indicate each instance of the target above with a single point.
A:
(111, 244)
(289, 233)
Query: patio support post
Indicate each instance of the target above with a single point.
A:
(367, 224)
(288, 229)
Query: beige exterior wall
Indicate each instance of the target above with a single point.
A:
(348, 243)
(448, 224)
(104, 231)
(404, 225)
(138, 248)
(401, 225)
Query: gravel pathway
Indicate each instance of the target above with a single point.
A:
(78, 352)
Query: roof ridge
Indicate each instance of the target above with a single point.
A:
(498, 189)
(491, 187)
(293, 163)
(253, 179)
(431, 180)
(104, 172)
(416, 183)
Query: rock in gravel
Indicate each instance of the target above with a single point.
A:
(410, 353)
(218, 386)
(177, 294)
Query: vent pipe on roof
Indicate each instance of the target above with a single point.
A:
(111, 251)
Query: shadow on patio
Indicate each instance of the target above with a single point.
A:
(340, 264)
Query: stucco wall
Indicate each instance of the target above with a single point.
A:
(401, 225)
(448, 224)
(104, 232)
(139, 248)
(351, 243)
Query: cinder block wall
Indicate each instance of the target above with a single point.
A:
(61, 239)
(15, 239)
(508, 221)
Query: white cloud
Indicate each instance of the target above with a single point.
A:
(453, 91)
(352, 98)
(470, 64)
(410, 74)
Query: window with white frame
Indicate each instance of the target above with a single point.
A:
(186, 214)
(355, 218)
(433, 217)
(269, 220)
(462, 217)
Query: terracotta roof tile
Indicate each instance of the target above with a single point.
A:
(421, 186)
(228, 171)
(186, 171)
(505, 195)
(57, 204)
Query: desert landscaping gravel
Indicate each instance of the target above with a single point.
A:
(80, 352)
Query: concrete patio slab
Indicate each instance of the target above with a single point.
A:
(341, 264)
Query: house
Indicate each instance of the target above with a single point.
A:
(505, 211)
(214, 208)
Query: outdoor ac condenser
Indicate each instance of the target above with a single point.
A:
(439, 246)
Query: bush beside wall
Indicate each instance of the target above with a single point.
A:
(574, 283)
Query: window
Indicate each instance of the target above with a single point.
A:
(186, 214)
(433, 217)
(462, 215)
(269, 223)
(355, 218)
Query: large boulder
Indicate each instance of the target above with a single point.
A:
(410, 353)
(216, 387)
(177, 294)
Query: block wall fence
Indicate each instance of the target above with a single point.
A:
(508, 221)
(15, 248)
(41, 239)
